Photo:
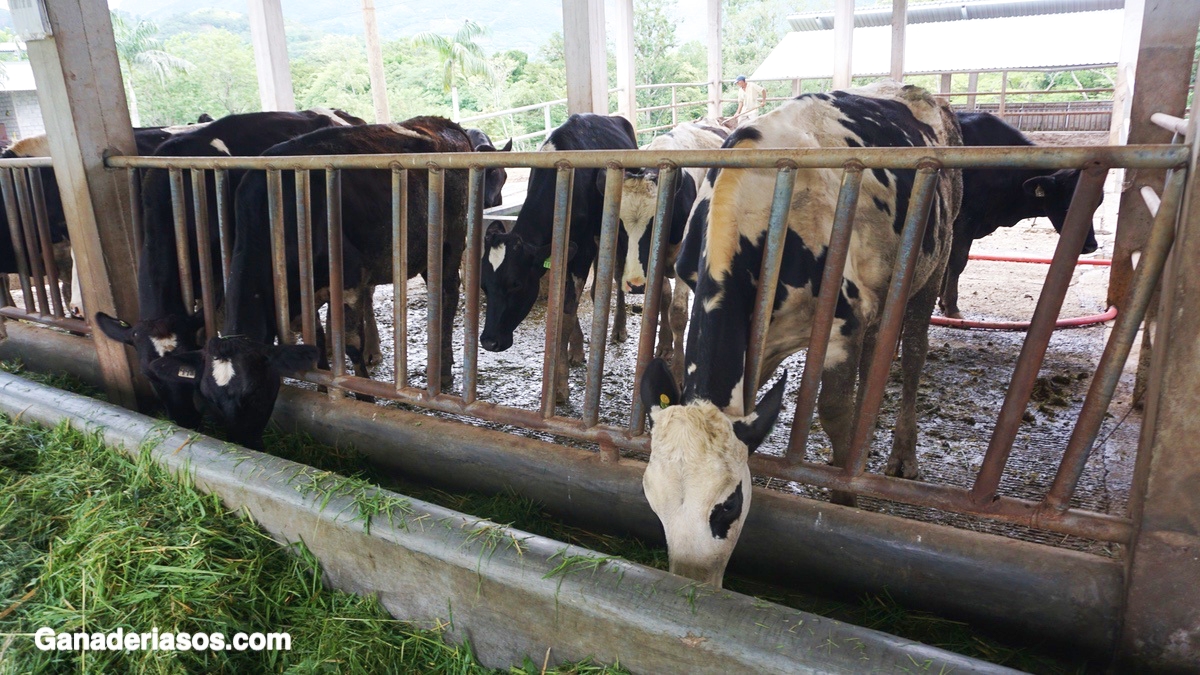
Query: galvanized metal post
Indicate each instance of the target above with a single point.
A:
(304, 255)
(204, 251)
(400, 276)
(183, 257)
(474, 255)
(279, 256)
(433, 275)
(605, 263)
(337, 283)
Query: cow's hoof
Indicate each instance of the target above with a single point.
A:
(665, 353)
(903, 468)
(447, 382)
(374, 358)
(952, 314)
(620, 334)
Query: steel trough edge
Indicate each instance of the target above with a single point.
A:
(503, 589)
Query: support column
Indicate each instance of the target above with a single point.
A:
(270, 55)
(626, 75)
(583, 41)
(375, 64)
(86, 115)
(1161, 626)
(843, 42)
(714, 58)
(899, 23)
(1127, 61)
(972, 86)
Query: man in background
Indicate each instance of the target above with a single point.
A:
(751, 98)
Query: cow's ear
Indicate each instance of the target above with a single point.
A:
(507, 146)
(115, 329)
(494, 229)
(1040, 186)
(753, 428)
(659, 389)
(181, 367)
(292, 358)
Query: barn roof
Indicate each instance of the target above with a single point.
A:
(954, 11)
(1039, 42)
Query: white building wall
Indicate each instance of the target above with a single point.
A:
(28, 113)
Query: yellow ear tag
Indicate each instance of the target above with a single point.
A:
(663, 401)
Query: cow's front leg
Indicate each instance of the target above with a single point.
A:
(620, 329)
(373, 351)
(450, 297)
(836, 404)
(666, 337)
(679, 319)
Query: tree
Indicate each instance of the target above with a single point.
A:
(223, 80)
(460, 56)
(137, 48)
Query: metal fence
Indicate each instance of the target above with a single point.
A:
(1052, 512)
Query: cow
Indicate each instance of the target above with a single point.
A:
(367, 245)
(697, 481)
(164, 326)
(495, 177)
(639, 203)
(514, 262)
(995, 198)
(238, 381)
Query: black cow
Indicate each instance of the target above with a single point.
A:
(995, 198)
(496, 177)
(238, 381)
(698, 480)
(367, 246)
(514, 262)
(164, 326)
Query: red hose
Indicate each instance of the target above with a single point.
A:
(1024, 325)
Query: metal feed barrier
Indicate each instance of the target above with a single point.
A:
(1052, 513)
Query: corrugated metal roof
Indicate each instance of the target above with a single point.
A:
(1029, 42)
(955, 11)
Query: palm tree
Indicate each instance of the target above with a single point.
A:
(460, 54)
(137, 47)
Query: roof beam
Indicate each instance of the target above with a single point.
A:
(270, 55)
(843, 41)
(899, 23)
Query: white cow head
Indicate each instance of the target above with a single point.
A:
(639, 202)
(698, 479)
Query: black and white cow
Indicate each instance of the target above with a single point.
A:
(697, 481)
(639, 203)
(238, 381)
(515, 261)
(367, 246)
(496, 177)
(995, 198)
(164, 326)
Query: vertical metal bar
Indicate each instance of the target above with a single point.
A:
(400, 275)
(204, 251)
(224, 225)
(337, 286)
(674, 107)
(831, 286)
(134, 176)
(434, 279)
(768, 283)
(1058, 279)
(279, 255)
(549, 126)
(182, 256)
(304, 256)
(558, 279)
(892, 319)
(1116, 352)
(614, 178)
(31, 240)
(668, 177)
(42, 222)
(17, 236)
(475, 182)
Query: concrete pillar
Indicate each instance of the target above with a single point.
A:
(843, 42)
(1127, 61)
(899, 23)
(626, 77)
(714, 58)
(375, 64)
(583, 40)
(270, 55)
(86, 115)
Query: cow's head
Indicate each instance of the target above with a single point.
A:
(1052, 194)
(494, 179)
(512, 270)
(153, 339)
(639, 201)
(698, 479)
(238, 381)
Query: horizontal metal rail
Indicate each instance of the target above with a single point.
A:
(1037, 157)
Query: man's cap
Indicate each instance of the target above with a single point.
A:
(740, 78)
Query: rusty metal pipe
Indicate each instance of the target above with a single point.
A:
(433, 279)
(1116, 352)
(337, 283)
(668, 176)
(31, 241)
(606, 262)
(1032, 157)
(831, 285)
(283, 319)
(1033, 351)
(400, 277)
(475, 183)
(559, 241)
(204, 251)
(892, 320)
(47, 244)
(182, 241)
(16, 233)
(304, 256)
(768, 283)
(78, 326)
